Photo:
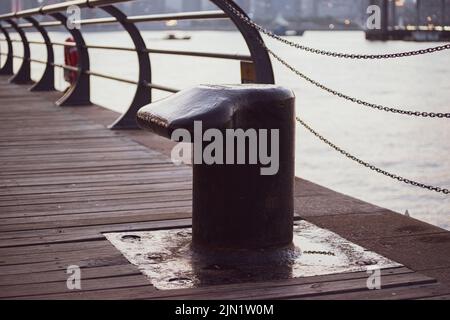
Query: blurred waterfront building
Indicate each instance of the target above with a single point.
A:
(295, 14)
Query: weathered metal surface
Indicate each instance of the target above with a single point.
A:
(234, 204)
(167, 259)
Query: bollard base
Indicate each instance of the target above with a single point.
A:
(166, 258)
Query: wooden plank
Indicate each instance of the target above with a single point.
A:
(85, 171)
(305, 290)
(55, 248)
(100, 259)
(30, 200)
(397, 293)
(215, 292)
(93, 178)
(261, 286)
(51, 150)
(80, 211)
(21, 290)
(80, 253)
(129, 185)
(61, 275)
(166, 213)
(441, 297)
(93, 194)
(86, 164)
(144, 293)
(134, 293)
(90, 233)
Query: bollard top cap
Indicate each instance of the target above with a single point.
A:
(217, 106)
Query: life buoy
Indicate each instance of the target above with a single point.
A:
(70, 59)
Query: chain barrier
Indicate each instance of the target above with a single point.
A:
(355, 100)
(371, 166)
(358, 101)
(335, 54)
(334, 92)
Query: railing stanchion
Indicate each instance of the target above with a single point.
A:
(47, 81)
(80, 92)
(7, 68)
(23, 76)
(143, 95)
(261, 59)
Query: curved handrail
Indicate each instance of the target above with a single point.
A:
(79, 92)
(261, 59)
(143, 94)
(47, 81)
(7, 68)
(23, 76)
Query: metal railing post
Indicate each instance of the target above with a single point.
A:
(79, 93)
(143, 93)
(7, 68)
(47, 81)
(261, 59)
(23, 76)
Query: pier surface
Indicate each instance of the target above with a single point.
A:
(66, 179)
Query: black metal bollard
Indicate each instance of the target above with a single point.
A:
(235, 205)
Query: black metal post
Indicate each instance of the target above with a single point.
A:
(235, 206)
(7, 68)
(23, 75)
(80, 92)
(143, 93)
(47, 81)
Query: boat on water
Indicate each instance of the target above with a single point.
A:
(172, 36)
(280, 31)
(282, 27)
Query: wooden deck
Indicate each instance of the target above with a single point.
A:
(65, 179)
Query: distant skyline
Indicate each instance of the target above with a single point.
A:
(296, 14)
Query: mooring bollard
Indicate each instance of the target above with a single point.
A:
(238, 203)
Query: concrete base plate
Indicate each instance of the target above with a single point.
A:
(166, 258)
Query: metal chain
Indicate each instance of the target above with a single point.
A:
(355, 100)
(379, 107)
(330, 53)
(370, 166)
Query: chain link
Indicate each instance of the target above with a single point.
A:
(424, 114)
(355, 100)
(335, 54)
(371, 166)
(361, 102)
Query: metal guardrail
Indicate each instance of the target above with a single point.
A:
(79, 92)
